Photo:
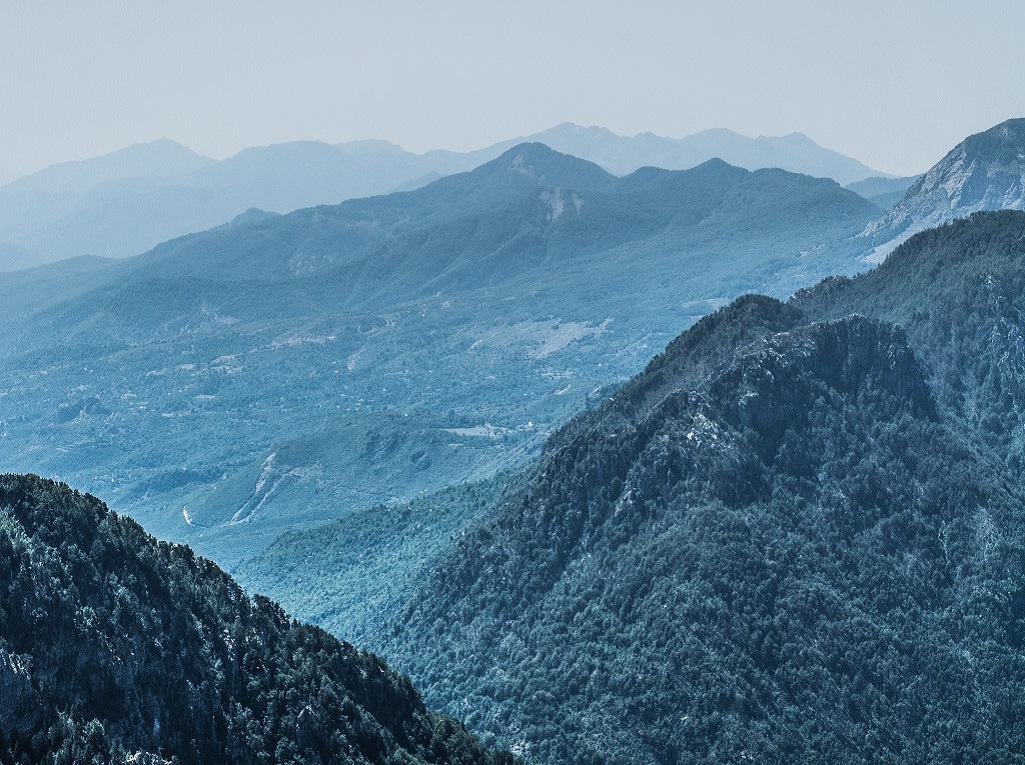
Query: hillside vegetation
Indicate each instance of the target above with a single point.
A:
(117, 648)
(795, 537)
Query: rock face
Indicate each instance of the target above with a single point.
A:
(986, 171)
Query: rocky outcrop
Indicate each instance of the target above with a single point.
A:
(986, 171)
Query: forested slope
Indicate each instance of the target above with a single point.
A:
(115, 648)
(795, 537)
(797, 561)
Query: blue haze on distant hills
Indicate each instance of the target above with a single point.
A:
(284, 370)
(124, 203)
(279, 370)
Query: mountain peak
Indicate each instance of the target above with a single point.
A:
(369, 146)
(572, 128)
(162, 157)
(986, 171)
(1003, 143)
(546, 167)
(715, 133)
(286, 148)
(622, 155)
(530, 149)
(795, 139)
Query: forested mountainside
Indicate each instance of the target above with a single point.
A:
(960, 291)
(795, 537)
(274, 374)
(351, 575)
(117, 648)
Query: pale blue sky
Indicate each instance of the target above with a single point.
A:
(894, 84)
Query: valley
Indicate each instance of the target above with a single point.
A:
(276, 374)
(577, 383)
(460, 426)
(796, 535)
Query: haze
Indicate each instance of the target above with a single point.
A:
(894, 85)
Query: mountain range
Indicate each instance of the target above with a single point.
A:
(409, 341)
(126, 202)
(326, 360)
(272, 374)
(796, 536)
(793, 536)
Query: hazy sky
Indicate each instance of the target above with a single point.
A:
(894, 84)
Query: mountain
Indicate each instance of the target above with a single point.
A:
(986, 171)
(112, 205)
(129, 201)
(288, 176)
(270, 375)
(163, 158)
(350, 576)
(885, 192)
(622, 154)
(117, 648)
(795, 536)
(36, 289)
(104, 209)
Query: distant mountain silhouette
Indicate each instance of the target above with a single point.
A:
(163, 159)
(621, 154)
(127, 202)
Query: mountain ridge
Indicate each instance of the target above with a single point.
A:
(725, 461)
(122, 214)
(793, 537)
(986, 171)
(162, 157)
(467, 317)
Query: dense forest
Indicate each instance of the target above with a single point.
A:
(117, 648)
(795, 537)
